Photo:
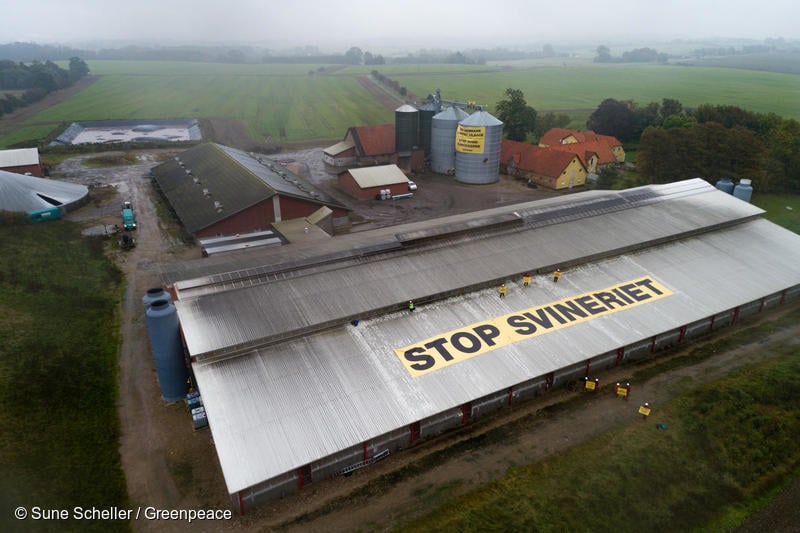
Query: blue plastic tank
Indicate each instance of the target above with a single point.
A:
(165, 342)
(743, 190)
(156, 293)
(725, 185)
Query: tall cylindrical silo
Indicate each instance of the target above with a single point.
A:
(443, 139)
(153, 294)
(426, 113)
(165, 341)
(406, 128)
(478, 141)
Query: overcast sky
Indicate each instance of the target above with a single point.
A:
(411, 24)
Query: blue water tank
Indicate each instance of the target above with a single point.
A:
(165, 342)
(156, 293)
(725, 185)
(743, 190)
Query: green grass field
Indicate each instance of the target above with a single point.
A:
(59, 343)
(584, 87)
(320, 107)
(266, 98)
(782, 209)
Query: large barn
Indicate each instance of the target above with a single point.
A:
(311, 363)
(217, 190)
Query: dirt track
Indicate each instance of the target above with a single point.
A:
(170, 466)
(14, 120)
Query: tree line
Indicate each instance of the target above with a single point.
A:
(639, 55)
(711, 141)
(37, 80)
(520, 120)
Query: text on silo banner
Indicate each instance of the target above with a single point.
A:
(470, 139)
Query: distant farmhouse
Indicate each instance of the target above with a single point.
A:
(554, 169)
(595, 150)
(563, 159)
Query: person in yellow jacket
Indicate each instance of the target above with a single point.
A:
(526, 279)
(556, 275)
(502, 290)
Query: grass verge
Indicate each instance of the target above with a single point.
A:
(59, 342)
(782, 209)
(727, 444)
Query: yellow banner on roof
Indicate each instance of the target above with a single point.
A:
(470, 139)
(461, 344)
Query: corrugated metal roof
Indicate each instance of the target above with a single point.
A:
(19, 157)
(481, 118)
(319, 215)
(277, 408)
(339, 147)
(24, 194)
(379, 176)
(553, 233)
(451, 114)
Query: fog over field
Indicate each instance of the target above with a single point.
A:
(409, 25)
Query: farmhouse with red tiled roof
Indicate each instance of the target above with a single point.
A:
(555, 169)
(595, 150)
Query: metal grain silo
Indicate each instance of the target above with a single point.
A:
(406, 128)
(156, 293)
(426, 113)
(165, 342)
(478, 142)
(443, 139)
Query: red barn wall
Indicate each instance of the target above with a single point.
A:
(35, 170)
(255, 218)
(260, 216)
(350, 186)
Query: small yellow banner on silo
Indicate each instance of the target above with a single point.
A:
(470, 139)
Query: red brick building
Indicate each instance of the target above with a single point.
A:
(367, 183)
